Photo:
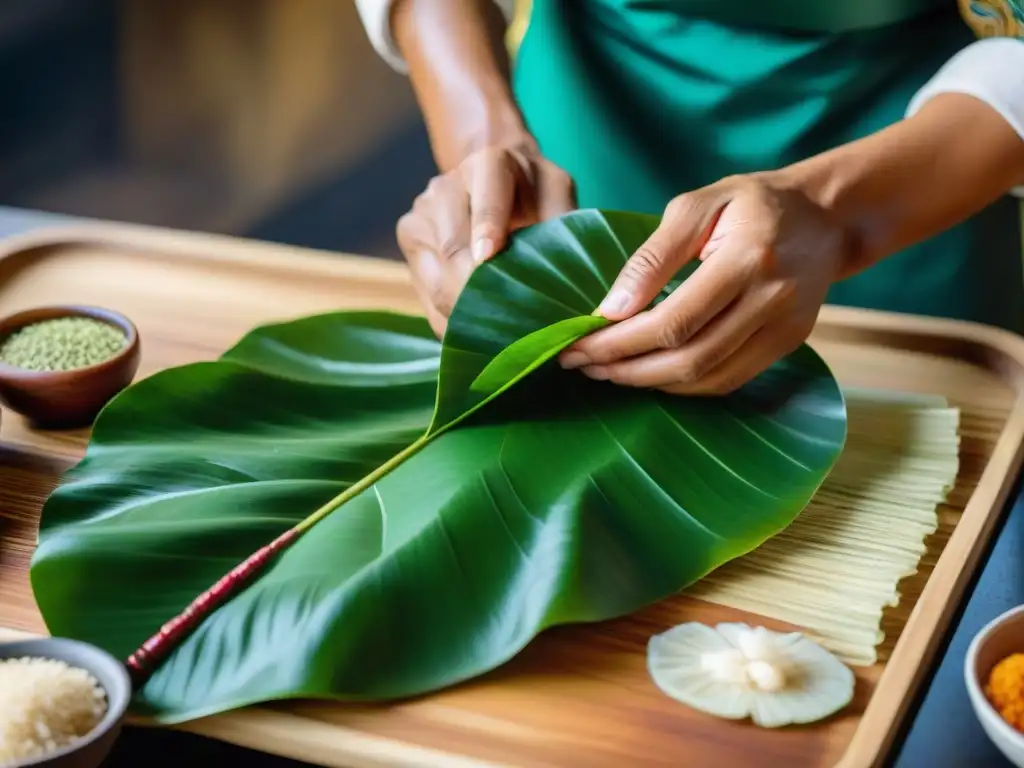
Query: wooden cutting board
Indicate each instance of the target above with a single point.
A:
(577, 695)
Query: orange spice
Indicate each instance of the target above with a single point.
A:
(1005, 689)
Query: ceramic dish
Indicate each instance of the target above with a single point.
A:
(92, 749)
(998, 639)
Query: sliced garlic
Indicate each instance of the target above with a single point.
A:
(735, 671)
(766, 676)
(756, 645)
(728, 666)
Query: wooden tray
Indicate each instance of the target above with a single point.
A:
(577, 695)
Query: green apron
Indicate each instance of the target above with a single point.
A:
(640, 100)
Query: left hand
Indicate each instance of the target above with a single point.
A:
(769, 255)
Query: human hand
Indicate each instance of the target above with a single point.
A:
(465, 216)
(768, 256)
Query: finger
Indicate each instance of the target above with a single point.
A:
(761, 352)
(426, 272)
(713, 286)
(445, 208)
(491, 181)
(424, 267)
(452, 227)
(435, 287)
(433, 239)
(556, 193)
(693, 362)
(415, 239)
(438, 322)
(683, 230)
(415, 235)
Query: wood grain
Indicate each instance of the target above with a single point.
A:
(578, 695)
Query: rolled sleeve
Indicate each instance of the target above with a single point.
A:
(991, 70)
(376, 17)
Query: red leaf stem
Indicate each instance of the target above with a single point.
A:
(149, 656)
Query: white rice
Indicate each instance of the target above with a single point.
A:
(45, 705)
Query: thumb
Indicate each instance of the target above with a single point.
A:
(682, 233)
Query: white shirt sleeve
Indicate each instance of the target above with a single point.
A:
(376, 16)
(991, 70)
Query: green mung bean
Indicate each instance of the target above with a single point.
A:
(62, 344)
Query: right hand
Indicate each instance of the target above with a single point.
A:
(465, 216)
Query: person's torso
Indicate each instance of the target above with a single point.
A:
(707, 88)
(640, 100)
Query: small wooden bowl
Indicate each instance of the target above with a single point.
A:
(67, 399)
(91, 750)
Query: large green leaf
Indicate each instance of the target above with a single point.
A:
(561, 500)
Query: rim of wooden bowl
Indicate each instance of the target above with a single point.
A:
(10, 324)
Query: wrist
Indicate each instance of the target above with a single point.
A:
(459, 69)
(837, 182)
(914, 179)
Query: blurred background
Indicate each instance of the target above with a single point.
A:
(272, 119)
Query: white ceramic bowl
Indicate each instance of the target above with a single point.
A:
(996, 640)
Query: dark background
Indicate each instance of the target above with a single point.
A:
(257, 118)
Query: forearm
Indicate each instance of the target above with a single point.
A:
(459, 68)
(914, 179)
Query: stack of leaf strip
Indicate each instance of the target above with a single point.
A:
(839, 566)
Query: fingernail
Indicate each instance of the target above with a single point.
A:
(574, 359)
(615, 302)
(598, 372)
(482, 248)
